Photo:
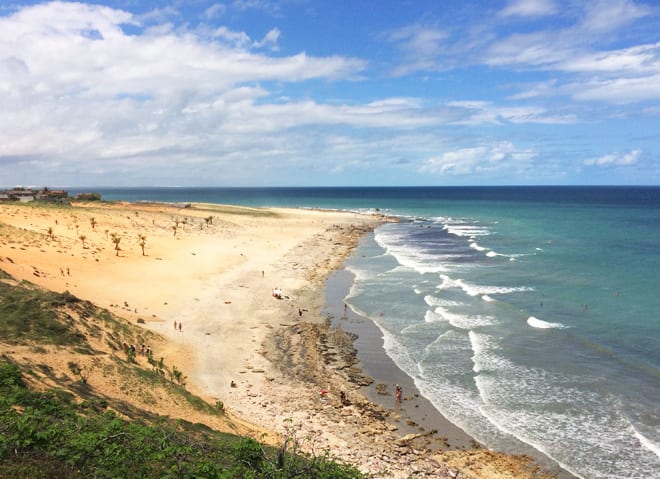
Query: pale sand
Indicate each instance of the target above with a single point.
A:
(216, 280)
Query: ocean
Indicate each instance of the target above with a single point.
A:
(528, 316)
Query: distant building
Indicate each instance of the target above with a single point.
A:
(25, 195)
(53, 196)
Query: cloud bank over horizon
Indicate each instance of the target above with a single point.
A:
(281, 93)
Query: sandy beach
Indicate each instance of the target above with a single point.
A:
(211, 270)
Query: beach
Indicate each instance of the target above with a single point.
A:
(203, 277)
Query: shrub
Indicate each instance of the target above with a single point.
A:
(10, 375)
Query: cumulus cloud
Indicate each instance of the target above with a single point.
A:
(478, 160)
(79, 94)
(615, 159)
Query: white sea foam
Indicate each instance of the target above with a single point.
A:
(360, 274)
(410, 256)
(540, 324)
(435, 301)
(432, 316)
(464, 229)
(570, 434)
(487, 298)
(484, 358)
(475, 245)
(646, 442)
(464, 321)
(447, 282)
(472, 289)
(398, 352)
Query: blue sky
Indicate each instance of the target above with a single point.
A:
(315, 93)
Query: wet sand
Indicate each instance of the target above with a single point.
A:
(414, 414)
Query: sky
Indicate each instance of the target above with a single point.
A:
(319, 93)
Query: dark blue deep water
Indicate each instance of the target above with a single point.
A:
(526, 315)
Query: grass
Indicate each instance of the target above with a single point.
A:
(71, 430)
(30, 315)
(53, 434)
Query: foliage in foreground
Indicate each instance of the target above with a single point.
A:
(50, 434)
(56, 434)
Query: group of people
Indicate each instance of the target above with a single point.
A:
(179, 325)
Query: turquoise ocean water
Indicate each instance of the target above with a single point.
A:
(525, 315)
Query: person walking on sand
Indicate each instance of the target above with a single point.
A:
(398, 393)
(175, 325)
(180, 326)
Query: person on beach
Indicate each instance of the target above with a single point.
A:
(180, 326)
(398, 393)
(175, 325)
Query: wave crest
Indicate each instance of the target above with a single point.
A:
(540, 324)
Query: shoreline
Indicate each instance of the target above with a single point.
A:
(414, 414)
(265, 359)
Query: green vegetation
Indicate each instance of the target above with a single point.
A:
(50, 434)
(29, 313)
(71, 431)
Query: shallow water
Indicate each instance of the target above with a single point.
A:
(534, 325)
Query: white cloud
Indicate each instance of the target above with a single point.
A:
(616, 159)
(529, 8)
(608, 15)
(236, 39)
(144, 103)
(481, 112)
(79, 91)
(619, 90)
(421, 46)
(268, 6)
(269, 40)
(637, 59)
(502, 156)
(215, 11)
